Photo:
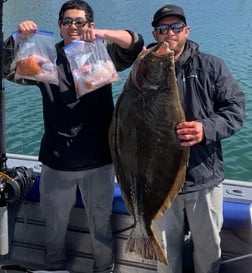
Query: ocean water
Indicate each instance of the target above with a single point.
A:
(222, 28)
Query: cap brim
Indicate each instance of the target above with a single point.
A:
(154, 23)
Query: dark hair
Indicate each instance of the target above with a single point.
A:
(77, 4)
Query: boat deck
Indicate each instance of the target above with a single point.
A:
(27, 227)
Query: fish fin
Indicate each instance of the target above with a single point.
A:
(145, 244)
(177, 184)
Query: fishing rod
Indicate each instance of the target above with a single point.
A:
(2, 96)
(4, 248)
(16, 181)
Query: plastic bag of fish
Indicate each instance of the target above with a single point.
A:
(91, 65)
(35, 57)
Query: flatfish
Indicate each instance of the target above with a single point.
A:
(150, 164)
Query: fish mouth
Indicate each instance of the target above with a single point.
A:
(163, 48)
(159, 50)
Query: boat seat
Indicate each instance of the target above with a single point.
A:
(236, 214)
(118, 203)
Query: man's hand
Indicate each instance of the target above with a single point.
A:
(27, 27)
(190, 132)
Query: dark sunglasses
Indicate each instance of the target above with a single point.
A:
(176, 28)
(79, 22)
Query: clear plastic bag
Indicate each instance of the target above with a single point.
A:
(91, 65)
(35, 57)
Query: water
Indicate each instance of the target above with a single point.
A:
(222, 28)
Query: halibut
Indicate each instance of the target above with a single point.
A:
(150, 163)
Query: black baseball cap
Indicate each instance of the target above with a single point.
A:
(168, 10)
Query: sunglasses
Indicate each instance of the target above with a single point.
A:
(78, 22)
(176, 28)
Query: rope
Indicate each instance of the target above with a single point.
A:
(237, 258)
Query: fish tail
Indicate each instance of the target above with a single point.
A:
(145, 244)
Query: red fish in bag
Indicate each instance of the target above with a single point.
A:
(35, 57)
(91, 65)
